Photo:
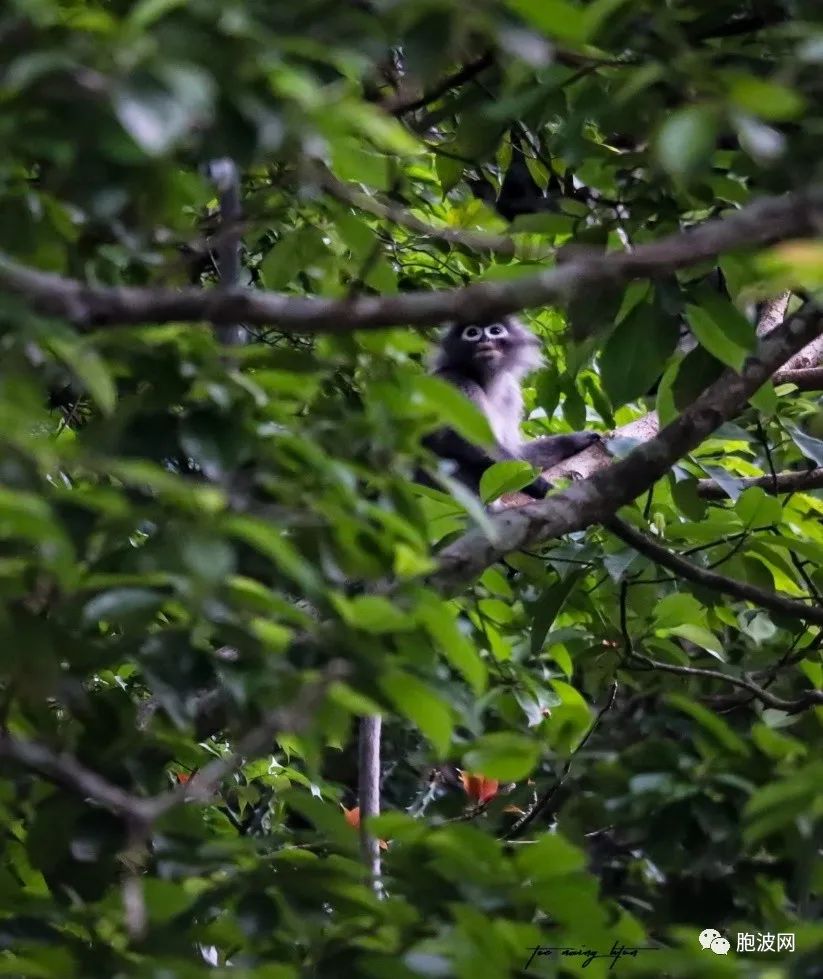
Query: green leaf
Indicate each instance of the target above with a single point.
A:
(700, 636)
(636, 353)
(352, 161)
(503, 756)
(811, 448)
(417, 701)
(765, 399)
(675, 610)
(439, 621)
(87, 366)
(687, 139)
(372, 613)
(697, 370)
(551, 856)
(269, 540)
(548, 607)
(281, 264)
(766, 99)
(121, 605)
(146, 12)
(159, 112)
(778, 804)
(723, 331)
(453, 409)
(720, 730)
(569, 721)
(555, 18)
(505, 477)
(755, 507)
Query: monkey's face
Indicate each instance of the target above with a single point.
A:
(485, 352)
(486, 344)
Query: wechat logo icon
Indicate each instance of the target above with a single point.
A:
(711, 938)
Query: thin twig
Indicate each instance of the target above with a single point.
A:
(546, 798)
(809, 699)
(729, 586)
(472, 240)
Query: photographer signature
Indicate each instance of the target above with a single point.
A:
(588, 955)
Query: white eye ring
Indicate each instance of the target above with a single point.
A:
(472, 333)
(496, 331)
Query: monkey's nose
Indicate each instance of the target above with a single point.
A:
(486, 349)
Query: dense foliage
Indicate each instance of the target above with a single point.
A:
(203, 544)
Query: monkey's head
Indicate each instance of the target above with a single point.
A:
(486, 351)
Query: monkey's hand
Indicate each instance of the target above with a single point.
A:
(537, 488)
(548, 450)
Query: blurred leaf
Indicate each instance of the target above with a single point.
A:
(453, 409)
(416, 701)
(441, 625)
(159, 112)
(503, 756)
(767, 99)
(709, 721)
(686, 140)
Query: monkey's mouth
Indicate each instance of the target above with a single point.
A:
(487, 353)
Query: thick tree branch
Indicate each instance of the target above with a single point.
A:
(711, 579)
(761, 223)
(597, 498)
(773, 313)
(804, 378)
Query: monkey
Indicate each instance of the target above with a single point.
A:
(487, 364)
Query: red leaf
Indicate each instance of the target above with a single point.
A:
(479, 788)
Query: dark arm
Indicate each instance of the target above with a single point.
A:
(548, 450)
(472, 461)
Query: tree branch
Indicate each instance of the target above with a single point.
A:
(804, 378)
(141, 811)
(711, 579)
(784, 482)
(400, 106)
(229, 241)
(369, 793)
(597, 498)
(66, 770)
(809, 699)
(761, 223)
(474, 240)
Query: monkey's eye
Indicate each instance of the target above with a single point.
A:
(496, 331)
(472, 333)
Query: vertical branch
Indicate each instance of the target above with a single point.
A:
(227, 180)
(773, 313)
(369, 793)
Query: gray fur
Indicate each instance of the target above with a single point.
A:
(487, 364)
